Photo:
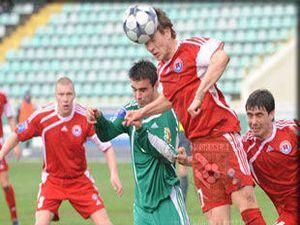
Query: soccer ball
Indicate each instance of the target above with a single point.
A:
(140, 23)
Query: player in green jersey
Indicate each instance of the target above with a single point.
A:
(158, 198)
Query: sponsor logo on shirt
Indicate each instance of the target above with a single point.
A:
(178, 65)
(64, 129)
(22, 127)
(76, 130)
(167, 135)
(285, 147)
(154, 125)
(270, 148)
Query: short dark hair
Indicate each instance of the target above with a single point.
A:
(164, 22)
(143, 69)
(261, 98)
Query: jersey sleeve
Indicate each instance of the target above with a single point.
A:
(208, 48)
(160, 140)
(109, 129)
(30, 128)
(102, 146)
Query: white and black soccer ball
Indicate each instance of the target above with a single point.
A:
(140, 23)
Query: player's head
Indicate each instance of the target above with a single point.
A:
(65, 94)
(260, 108)
(163, 43)
(143, 80)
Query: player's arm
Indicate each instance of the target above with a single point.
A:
(8, 145)
(159, 141)
(215, 69)
(159, 105)
(12, 123)
(106, 129)
(114, 174)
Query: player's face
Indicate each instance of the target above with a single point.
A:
(143, 91)
(260, 122)
(65, 96)
(159, 45)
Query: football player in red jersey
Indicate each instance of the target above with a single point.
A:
(188, 71)
(64, 130)
(273, 154)
(7, 110)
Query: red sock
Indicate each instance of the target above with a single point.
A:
(253, 217)
(10, 201)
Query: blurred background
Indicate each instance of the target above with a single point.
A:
(84, 40)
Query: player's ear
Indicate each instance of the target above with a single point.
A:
(272, 115)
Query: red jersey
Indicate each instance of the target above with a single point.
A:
(181, 77)
(5, 108)
(274, 164)
(63, 139)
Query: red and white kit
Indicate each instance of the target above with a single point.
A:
(5, 108)
(65, 174)
(275, 165)
(217, 148)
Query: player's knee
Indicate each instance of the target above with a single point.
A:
(244, 198)
(218, 221)
(42, 222)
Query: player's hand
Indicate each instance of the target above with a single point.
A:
(132, 118)
(182, 158)
(92, 114)
(17, 152)
(195, 107)
(116, 183)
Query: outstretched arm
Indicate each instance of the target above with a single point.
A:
(216, 67)
(12, 124)
(159, 105)
(8, 145)
(114, 175)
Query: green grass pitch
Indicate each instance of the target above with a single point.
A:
(25, 177)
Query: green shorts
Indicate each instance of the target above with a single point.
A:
(170, 211)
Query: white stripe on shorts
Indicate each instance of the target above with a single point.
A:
(237, 147)
(177, 199)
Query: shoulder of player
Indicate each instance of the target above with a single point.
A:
(42, 111)
(194, 41)
(80, 109)
(285, 124)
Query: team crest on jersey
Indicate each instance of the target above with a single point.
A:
(178, 65)
(285, 147)
(22, 127)
(167, 135)
(76, 130)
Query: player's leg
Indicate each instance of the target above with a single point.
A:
(100, 217)
(183, 177)
(49, 199)
(84, 197)
(171, 210)
(43, 217)
(8, 191)
(209, 165)
(219, 215)
(240, 183)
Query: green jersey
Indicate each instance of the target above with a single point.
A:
(153, 150)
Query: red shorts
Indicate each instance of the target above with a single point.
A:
(287, 218)
(3, 166)
(81, 193)
(220, 167)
